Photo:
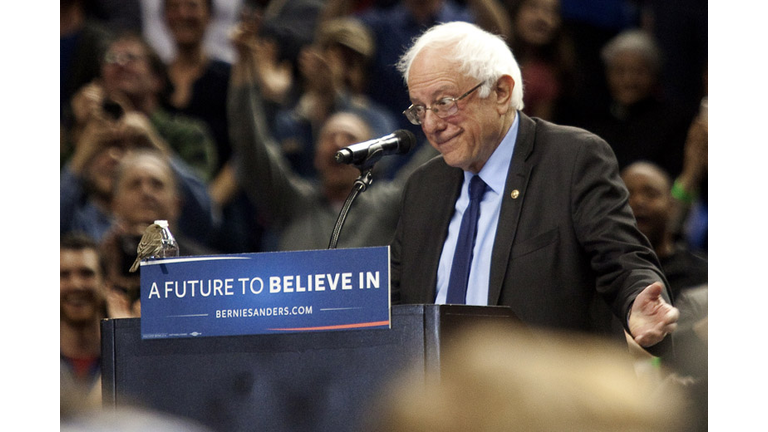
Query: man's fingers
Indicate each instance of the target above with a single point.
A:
(656, 335)
(673, 315)
(654, 290)
(651, 337)
(670, 328)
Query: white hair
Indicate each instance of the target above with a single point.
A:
(636, 41)
(479, 54)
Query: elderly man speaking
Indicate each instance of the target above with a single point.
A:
(516, 211)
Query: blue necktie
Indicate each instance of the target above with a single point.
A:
(462, 258)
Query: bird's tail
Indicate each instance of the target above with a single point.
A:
(135, 265)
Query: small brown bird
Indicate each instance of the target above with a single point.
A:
(150, 245)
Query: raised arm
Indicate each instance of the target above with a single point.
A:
(260, 167)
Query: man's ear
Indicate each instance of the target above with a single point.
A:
(503, 90)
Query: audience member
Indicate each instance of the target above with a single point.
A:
(651, 201)
(132, 77)
(82, 305)
(637, 123)
(291, 24)
(690, 188)
(545, 54)
(224, 14)
(276, 71)
(198, 85)
(592, 24)
(650, 198)
(145, 190)
(302, 211)
(87, 179)
(496, 378)
(334, 73)
(284, 29)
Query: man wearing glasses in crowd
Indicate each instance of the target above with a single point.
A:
(517, 211)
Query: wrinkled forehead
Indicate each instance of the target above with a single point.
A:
(433, 73)
(144, 166)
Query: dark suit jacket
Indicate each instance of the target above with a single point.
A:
(566, 235)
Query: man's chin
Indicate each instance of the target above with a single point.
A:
(81, 317)
(452, 159)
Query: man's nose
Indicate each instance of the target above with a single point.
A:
(637, 201)
(146, 188)
(431, 122)
(73, 282)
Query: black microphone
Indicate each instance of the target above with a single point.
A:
(398, 142)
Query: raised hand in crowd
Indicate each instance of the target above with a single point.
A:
(696, 151)
(258, 59)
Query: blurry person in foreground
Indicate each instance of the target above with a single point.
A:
(500, 378)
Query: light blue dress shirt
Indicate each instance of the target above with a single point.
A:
(494, 174)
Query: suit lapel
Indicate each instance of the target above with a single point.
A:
(439, 207)
(512, 203)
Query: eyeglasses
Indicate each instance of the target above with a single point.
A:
(121, 58)
(443, 108)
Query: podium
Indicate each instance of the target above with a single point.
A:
(320, 381)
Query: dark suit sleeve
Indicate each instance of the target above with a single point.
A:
(262, 170)
(620, 255)
(394, 269)
(396, 249)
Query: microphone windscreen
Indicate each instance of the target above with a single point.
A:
(407, 140)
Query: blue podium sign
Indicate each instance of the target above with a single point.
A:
(274, 292)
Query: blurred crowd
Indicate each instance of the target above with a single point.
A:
(223, 116)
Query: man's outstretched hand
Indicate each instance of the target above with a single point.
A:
(652, 318)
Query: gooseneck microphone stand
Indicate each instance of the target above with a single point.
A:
(361, 184)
